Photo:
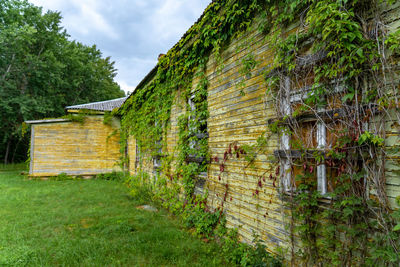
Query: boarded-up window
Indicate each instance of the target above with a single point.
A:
(137, 156)
(307, 137)
(197, 129)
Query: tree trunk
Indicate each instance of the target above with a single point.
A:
(7, 151)
(15, 151)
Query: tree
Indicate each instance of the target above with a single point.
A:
(41, 72)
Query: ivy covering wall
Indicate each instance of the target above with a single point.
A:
(341, 57)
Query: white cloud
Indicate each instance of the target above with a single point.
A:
(168, 20)
(132, 32)
(81, 17)
(128, 88)
(131, 71)
(52, 5)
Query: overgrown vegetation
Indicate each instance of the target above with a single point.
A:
(146, 115)
(203, 223)
(334, 62)
(351, 74)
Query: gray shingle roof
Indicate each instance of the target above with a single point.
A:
(108, 105)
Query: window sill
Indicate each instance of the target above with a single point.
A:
(298, 154)
(326, 115)
(199, 135)
(323, 199)
(195, 159)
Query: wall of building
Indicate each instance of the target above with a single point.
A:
(131, 153)
(74, 148)
(239, 110)
(238, 115)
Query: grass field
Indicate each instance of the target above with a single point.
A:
(89, 223)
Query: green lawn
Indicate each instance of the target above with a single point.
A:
(89, 223)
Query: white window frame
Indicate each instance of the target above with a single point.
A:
(157, 161)
(137, 156)
(192, 106)
(287, 100)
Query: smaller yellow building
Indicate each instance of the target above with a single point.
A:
(82, 148)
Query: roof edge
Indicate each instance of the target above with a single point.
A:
(47, 121)
(154, 70)
(98, 102)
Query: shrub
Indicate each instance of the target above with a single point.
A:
(112, 176)
(140, 187)
(242, 254)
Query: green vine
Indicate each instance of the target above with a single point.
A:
(344, 52)
(346, 39)
(146, 114)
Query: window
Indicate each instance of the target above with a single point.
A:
(137, 157)
(157, 157)
(197, 125)
(307, 135)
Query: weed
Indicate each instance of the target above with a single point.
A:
(112, 176)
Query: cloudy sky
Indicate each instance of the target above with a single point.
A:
(132, 32)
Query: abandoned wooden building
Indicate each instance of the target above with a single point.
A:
(254, 132)
(257, 109)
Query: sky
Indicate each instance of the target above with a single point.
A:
(132, 32)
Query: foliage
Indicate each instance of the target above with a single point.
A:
(107, 118)
(241, 254)
(112, 176)
(368, 138)
(140, 188)
(42, 72)
(346, 51)
(146, 113)
(79, 117)
(204, 222)
(62, 177)
(354, 226)
(146, 116)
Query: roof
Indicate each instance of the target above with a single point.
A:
(108, 105)
(47, 121)
(146, 78)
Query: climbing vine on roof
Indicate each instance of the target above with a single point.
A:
(348, 57)
(146, 114)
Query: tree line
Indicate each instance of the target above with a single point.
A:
(42, 71)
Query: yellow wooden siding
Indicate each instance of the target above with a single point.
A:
(131, 143)
(177, 110)
(392, 127)
(238, 112)
(74, 148)
(392, 161)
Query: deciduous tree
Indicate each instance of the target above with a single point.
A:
(42, 71)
